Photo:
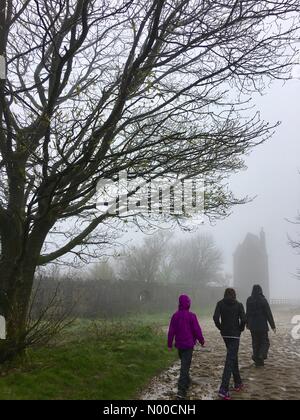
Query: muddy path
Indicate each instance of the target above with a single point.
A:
(279, 380)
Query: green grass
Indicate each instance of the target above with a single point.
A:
(101, 360)
(163, 319)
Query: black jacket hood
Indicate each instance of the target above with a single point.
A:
(257, 292)
(229, 301)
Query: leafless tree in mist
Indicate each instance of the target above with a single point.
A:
(94, 87)
(146, 262)
(197, 260)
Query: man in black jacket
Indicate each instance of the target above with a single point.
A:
(230, 319)
(258, 316)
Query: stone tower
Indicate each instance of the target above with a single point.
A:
(251, 266)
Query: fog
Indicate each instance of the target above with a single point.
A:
(272, 178)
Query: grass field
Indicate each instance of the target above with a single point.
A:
(163, 319)
(92, 360)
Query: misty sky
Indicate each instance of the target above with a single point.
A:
(273, 176)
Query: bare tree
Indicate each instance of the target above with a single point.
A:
(46, 319)
(146, 262)
(197, 260)
(95, 86)
(102, 271)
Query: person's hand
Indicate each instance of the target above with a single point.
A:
(170, 348)
(274, 330)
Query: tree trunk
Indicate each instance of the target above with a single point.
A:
(17, 268)
(16, 300)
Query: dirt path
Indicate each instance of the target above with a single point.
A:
(279, 380)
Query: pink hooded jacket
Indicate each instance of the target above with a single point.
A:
(184, 326)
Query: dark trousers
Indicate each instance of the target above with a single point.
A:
(184, 382)
(232, 364)
(261, 346)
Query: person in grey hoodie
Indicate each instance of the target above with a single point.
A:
(258, 317)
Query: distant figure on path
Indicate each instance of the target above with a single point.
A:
(185, 328)
(230, 319)
(258, 316)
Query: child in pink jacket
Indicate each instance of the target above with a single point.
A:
(185, 328)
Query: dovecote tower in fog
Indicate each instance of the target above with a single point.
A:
(251, 266)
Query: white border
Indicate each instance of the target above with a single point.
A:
(2, 67)
(2, 328)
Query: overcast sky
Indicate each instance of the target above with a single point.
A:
(273, 176)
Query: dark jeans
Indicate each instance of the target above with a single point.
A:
(261, 346)
(184, 382)
(232, 364)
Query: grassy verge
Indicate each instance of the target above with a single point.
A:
(163, 319)
(103, 360)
